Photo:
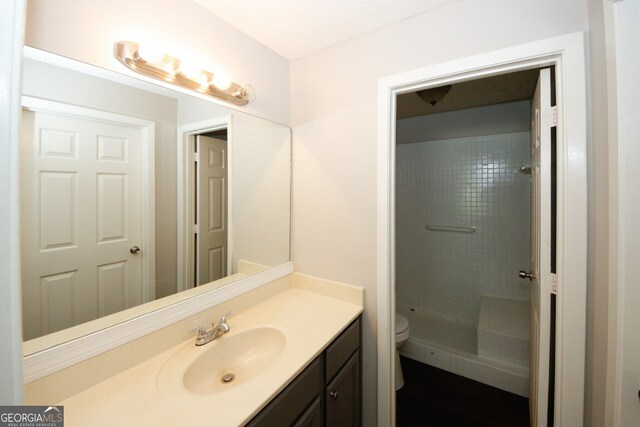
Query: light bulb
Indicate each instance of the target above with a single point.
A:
(190, 70)
(150, 53)
(221, 81)
(203, 80)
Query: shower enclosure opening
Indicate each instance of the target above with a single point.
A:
(463, 228)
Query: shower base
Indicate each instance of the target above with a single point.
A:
(453, 346)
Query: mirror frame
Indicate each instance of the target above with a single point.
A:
(49, 360)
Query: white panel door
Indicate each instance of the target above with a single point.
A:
(212, 209)
(541, 123)
(81, 213)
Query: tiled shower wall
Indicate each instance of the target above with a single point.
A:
(468, 182)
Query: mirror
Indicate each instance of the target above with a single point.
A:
(134, 197)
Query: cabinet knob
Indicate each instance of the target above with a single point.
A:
(334, 394)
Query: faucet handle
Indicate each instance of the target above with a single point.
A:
(223, 325)
(223, 319)
(201, 330)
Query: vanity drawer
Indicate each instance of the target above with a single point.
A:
(294, 400)
(341, 349)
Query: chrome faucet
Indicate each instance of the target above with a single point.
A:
(205, 336)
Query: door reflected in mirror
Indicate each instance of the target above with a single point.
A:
(134, 197)
(211, 235)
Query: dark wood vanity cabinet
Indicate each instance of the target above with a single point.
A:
(326, 393)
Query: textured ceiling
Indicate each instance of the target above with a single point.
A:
(295, 28)
(473, 93)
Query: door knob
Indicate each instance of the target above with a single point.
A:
(134, 249)
(526, 275)
(334, 394)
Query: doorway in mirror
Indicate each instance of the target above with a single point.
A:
(211, 199)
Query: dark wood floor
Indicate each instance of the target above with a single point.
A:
(432, 397)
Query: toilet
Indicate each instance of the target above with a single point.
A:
(402, 335)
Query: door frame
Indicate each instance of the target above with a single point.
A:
(623, 369)
(147, 175)
(567, 54)
(12, 21)
(186, 208)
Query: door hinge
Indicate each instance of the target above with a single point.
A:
(554, 116)
(196, 229)
(554, 283)
(196, 157)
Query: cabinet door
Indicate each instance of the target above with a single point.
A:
(312, 416)
(343, 395)
(294, 401)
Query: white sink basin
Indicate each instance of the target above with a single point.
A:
(230, 360)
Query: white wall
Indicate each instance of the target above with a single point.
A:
(262, 185)
(86, 31)
(334, 107)
(488, 120)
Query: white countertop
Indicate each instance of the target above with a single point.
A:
(308, 320)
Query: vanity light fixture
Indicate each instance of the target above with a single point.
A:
(154, 63)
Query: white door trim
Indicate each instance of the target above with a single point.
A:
(186, 209)
(623, 367)
(567, 54)
(147, 139)
(11, 45)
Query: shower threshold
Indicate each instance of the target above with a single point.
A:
(453, 347)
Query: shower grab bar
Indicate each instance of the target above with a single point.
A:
(452, 228)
